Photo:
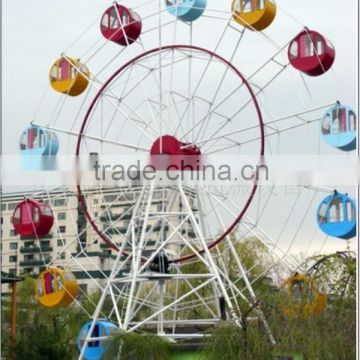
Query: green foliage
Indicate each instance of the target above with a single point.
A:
(232, 342)
(253, 254)
(330, 336)
(134, 346)
(51, 333)
(41, 333)
(336, 275)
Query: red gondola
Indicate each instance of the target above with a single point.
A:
(168, 153)
(121, 25)
(311, 53)
(32, 218)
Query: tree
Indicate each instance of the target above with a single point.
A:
(42, 333)
(135, 346)
(51, 333)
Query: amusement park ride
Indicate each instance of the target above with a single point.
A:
(159, 112)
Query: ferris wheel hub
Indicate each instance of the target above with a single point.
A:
(169, 153)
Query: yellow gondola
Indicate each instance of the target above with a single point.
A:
(304, 297)
(254, 14)
(69, 76)
(56, 287)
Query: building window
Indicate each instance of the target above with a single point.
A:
(59, 202)
(110, 198)
(62, 229)
(61, 216)
(128, 196)
(3, 207)
(13, 232)
(29, 244)
(45, 244)
(61, 242)
(12, 258)
(12, 271)
(12, 206)
(96, 201)
(13, 246)
(62, 256)
(159, 194)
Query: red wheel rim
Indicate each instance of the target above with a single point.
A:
(261, 153)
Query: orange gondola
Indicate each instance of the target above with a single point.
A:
(69, 76)
(304, 297)
(254, 14)
(56, 287)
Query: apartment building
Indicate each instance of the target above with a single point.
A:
(74, 244)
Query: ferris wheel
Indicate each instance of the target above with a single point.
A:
(172, 83)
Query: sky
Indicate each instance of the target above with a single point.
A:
(35, 33)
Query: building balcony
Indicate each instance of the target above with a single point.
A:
(149, 243)
(105, 246)
(115, 217)
(128, 216)
(124, 229)
(81, 220)
(92, 254)
(158, 228)
(33, 262)
(35, 249)
(106, 218)
(120, 204)
(138, 230)
(189, 233)
(47, 237)
(116, 230)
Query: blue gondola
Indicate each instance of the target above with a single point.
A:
(95, 350)
(338, 127)
(186, 10)
(336, 216)
(38, 141)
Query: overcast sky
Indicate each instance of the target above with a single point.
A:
(36, 32)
